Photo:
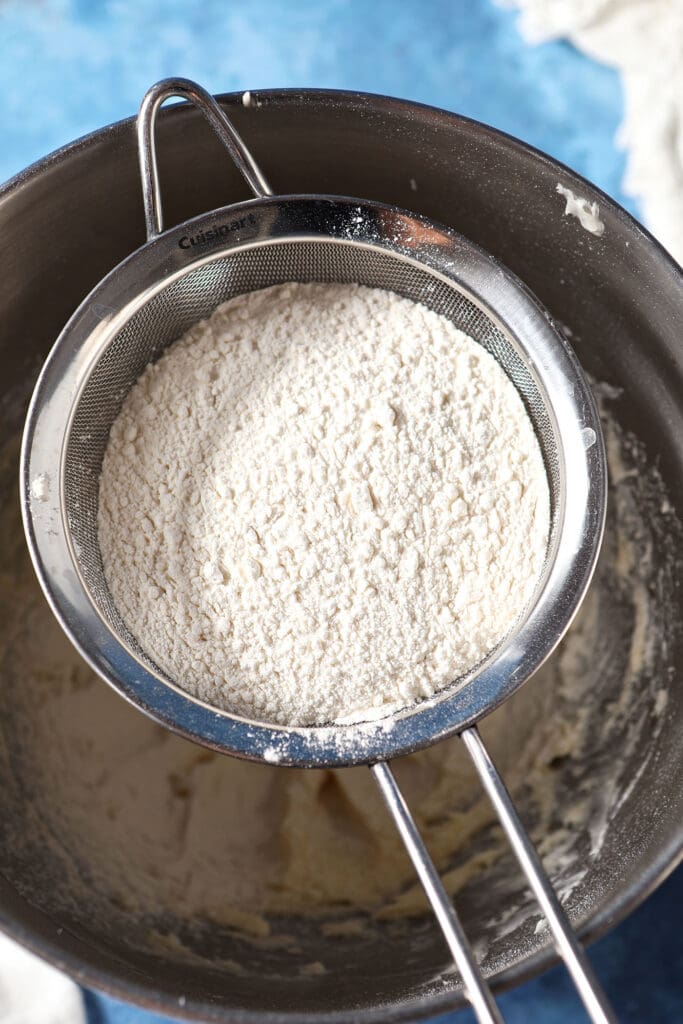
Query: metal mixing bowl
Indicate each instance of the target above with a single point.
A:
(69, 219)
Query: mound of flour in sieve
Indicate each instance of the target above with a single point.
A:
(321, 504)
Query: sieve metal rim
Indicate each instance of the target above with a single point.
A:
(129, 286)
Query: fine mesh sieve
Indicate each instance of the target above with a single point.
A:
(178, 278)
(195, 295)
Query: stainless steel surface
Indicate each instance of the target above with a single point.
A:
(222, 126)
(621, 297)
(88, 376)
(475, 988)
(566, 943)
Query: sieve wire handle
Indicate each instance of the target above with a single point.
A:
(568, 946)
(477, 992)
(566, 942)
(183, 88)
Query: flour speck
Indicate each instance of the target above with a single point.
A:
(40, 487)
(587, 213)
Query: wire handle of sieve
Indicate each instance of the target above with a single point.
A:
(566, 943)
(476, 989)
(184, 88)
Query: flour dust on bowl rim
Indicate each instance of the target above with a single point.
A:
(164, 288)
(337, 110)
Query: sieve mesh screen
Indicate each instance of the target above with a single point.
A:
(173, 310)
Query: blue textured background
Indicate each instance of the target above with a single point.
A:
(70, 66)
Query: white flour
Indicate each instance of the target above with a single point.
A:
(322, 501)
(587, 214)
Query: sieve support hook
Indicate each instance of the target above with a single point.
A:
(476, 989)
(184, 88)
